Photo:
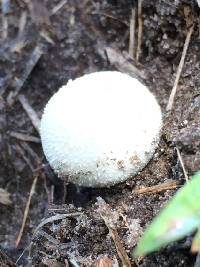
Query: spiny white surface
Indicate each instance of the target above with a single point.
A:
(100, 129)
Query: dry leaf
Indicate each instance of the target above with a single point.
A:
(5, 197)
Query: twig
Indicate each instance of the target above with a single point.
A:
(51, 195)
(45, 34)
(182, 164)
(24, 1)
(32, 153)
(56, 218)
(110, 16)
(179, 70)
(72, 260)
(132, 34)
(198, 23)
(58, 208)
(40, 15)
(38, 166)
(51, 262)
(22, 154)
(56, 242)
(30, 112)
(5, 6)
(156, 188)
(106, 214)
(5, 82)
(58, 245)
(20, 42)
(32, 191)
(21, 255)
(50, 238)
(22, 23)
(4, 27)
(65, 184)
(24, 137)
(66, 263)
(140, 30)
(119, 247)
(19, 82)
(58, 7)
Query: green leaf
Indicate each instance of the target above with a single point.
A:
(180, 217)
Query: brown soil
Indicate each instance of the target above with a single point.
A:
(73, 42)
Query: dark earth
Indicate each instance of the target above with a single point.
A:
(67, 43)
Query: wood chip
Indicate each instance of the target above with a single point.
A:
(156, 188)
(5, 197)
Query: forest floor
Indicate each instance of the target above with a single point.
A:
(43, 45)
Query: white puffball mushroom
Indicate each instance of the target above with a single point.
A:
(100, 129)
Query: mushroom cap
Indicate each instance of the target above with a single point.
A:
(100, 129)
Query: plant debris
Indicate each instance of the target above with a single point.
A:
(5, 197)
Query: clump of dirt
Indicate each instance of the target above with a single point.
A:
(72, 41)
